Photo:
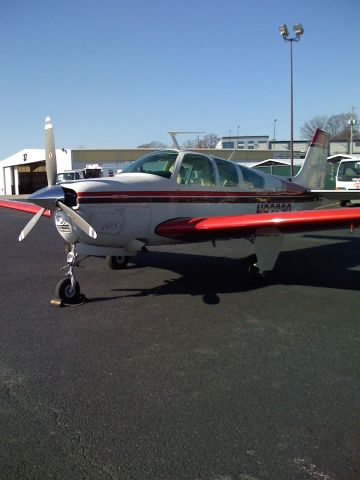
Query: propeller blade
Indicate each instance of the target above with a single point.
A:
(50, 154)
(79, 221)
(30, 225)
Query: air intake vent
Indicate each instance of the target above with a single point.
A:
(70, 197)
(65, 228)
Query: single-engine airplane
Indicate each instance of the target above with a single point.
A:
(173, 196)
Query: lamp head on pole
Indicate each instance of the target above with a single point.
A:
(284, 32)
(298, 29)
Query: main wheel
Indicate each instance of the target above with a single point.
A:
(251, 273)
(117, 263)
(66, 292)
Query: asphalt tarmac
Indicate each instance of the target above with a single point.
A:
(175, 368)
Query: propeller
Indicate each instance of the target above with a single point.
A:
(50, 153)
(52, 197)
(30, 225)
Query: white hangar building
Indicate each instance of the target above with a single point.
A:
(25, 172)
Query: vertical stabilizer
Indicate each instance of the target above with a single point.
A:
(313, 171)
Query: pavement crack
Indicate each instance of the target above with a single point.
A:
(311, 469)
(90, 460)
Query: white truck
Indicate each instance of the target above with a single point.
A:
(89, 171)
(348, 178)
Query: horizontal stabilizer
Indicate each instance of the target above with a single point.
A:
(337, 194)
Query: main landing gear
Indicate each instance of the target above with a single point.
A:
(117, 263)
(67, 290)
(252, 276)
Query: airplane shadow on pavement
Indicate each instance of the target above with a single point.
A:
(335, 265)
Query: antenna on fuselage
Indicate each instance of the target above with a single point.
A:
(176, 132)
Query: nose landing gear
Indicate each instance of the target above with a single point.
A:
(67, 290)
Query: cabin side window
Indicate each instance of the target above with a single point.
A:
(196, 170)
(228, 176)
(252, 179)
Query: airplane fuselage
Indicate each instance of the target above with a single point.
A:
(131, 205)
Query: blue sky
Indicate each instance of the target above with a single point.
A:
(118, 73)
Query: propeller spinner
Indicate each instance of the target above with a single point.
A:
(52, 197)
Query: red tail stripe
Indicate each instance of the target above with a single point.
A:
(319, 139)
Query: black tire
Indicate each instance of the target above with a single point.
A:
(344, 203)
(251, 273)
(117, 263)
(251, 270)
(65, 292)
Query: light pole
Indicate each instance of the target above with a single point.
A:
(274, 137)
(298, 31)
(351, 122)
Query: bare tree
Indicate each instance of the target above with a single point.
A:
(153, 144)
(336, 125)
(208, 141)
(190, 144)
(307, 130)
(339, 127)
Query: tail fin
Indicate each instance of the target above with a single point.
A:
(313, 171)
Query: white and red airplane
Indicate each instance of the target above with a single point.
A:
(174, 196)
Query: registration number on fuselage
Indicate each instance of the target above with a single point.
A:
(273, 207)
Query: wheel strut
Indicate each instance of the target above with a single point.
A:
(68, 289)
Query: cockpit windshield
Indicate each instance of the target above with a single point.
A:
(157, 163)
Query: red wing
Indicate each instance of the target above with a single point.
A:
(194, 229)
(23, 207)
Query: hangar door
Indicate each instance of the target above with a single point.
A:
(32, 177)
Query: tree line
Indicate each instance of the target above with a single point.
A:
(208, 141)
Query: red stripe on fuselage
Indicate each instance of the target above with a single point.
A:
(193, 197)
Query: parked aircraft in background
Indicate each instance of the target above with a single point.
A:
(174, 196)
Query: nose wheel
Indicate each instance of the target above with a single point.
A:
(67, 290)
